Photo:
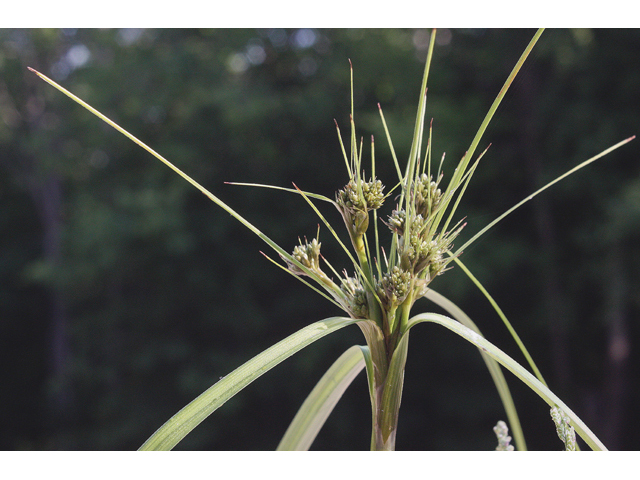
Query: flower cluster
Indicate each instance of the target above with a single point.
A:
(426, 196)
(393, 287)
(307, 254)
(419, 256)
(356, 200)
(565, 431)
(502, 432)
(420, 249)
(356, 297)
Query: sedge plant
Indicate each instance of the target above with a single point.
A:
(377, 291)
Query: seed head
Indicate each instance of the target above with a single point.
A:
(394, 286)
(356, 297)
(396, 221)
(427, 195)
(354, 205)
(308, 254)
(502, 432)
(564, 429)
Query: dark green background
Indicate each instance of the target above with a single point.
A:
(124, 292)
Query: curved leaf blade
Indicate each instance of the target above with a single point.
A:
(183, 422)
(514, 367)
(494, 368)
(323, 398)
(504, 319)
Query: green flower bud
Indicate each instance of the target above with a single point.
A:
(356, 297)
(308, 254)
(427, 195)
(355, 206)
(372, 192)
(394, 286)
(396, 221)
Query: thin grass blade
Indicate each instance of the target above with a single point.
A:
(206, 192)
(494, 107)
(537, 192)
(290, 190)
(506, 322)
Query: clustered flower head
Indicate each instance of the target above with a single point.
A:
(393, 287)
(356, 200)
(308, 254)
(427, 195)
(565, 431)
(504, 439)
(396, 221)
(356, 297)
(420, 251)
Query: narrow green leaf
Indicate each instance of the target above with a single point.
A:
(393, 152)
(368, 360)
(206, 192)
(553, 182)
(514, 367)
(494, 368)
(410, 169)
(504, 319)
(494, 107)
(290, 190)
(323, 398)
(183, 422)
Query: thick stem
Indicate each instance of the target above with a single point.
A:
(386, 385)
(389, 407)
(379, 364)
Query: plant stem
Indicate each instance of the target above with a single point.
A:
(377, 377)
(388, 364)
(391, 397)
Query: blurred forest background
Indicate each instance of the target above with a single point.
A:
(125, 293)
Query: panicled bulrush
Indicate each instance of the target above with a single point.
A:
(378, 302)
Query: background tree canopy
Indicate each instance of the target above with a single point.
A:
(126, 293)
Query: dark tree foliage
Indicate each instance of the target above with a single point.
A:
(126, 293)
